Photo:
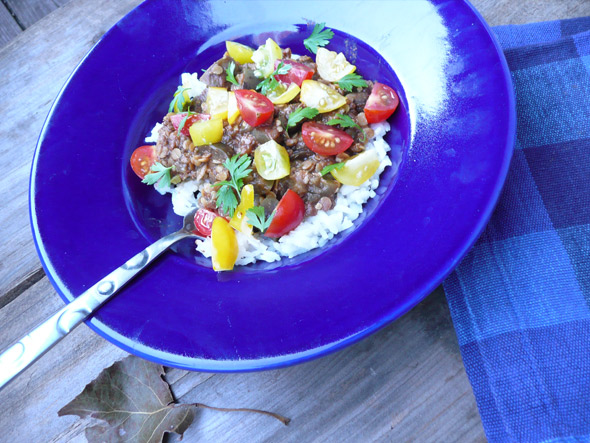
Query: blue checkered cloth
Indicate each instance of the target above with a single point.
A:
(520, 299)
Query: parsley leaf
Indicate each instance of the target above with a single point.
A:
(350, 81)
(226, 199)
(346, 121)
(330, 168)
(183, 121)
(318, 38)
(179, 100)
(230, 73)
(271, 82)
(299, 114)
(257, 219)
(229, 190)
(160, 174)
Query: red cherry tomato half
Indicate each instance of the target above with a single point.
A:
(142, 160)
(296, 74)
(288, 215)
(254, 108)
(176, 120)
(381, 104)
(324, 139)
(204, 221)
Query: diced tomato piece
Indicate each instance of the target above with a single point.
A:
(176, 120)
(142, 160)
(288, 214)
(296, 74)
(325, 139)
(204, 221)
(381, 104)
(254, 108)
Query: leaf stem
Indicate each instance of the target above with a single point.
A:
(279, 417)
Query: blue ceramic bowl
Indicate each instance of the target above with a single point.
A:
(451, 144)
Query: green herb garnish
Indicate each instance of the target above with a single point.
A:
(160, 173)
(270, 83)
(318, 38)
(346, 121)
(230, 73)
(299, 114)
(179, 101)
(229, 191)
(183, 121)
(257, 218)
(331, 167)
(226, 199)
(350, 81)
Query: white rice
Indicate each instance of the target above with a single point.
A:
(313, 232)
(153, 137)
(194, 85)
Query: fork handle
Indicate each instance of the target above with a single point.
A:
(28, 349)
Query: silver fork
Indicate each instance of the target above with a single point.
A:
(28, 349)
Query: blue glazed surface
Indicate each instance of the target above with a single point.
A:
(452, 136)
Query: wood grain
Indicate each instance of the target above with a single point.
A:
(29, 12)
(9, 29)
(29, 405)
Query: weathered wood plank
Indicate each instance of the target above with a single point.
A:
(37, 61)
(17, 290)
(406, 382)
(29, 12)
(29, 404)
(9, 29)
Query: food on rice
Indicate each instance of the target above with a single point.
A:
(274, 173)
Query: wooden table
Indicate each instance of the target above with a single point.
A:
(407, 382)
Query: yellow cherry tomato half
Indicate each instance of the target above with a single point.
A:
(206, 132)
(232, 108)
(320, 96)
(357, 169)
(272, 161)
(240, 221)
(265, 56)
(224, 245)
(332, 66)
(283, 93)
(239, 52)
(217, 102)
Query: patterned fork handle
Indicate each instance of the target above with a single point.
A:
(33, 345)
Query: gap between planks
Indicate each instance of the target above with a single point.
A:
(29, 280)
(13, 15)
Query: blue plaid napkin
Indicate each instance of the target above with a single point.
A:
(520, 299)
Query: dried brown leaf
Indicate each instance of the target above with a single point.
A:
(134, 401)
